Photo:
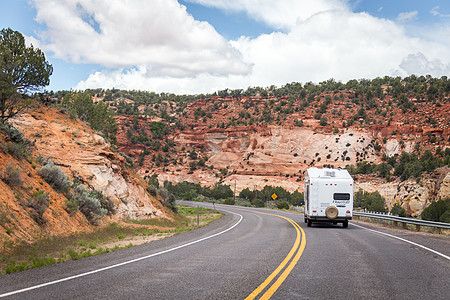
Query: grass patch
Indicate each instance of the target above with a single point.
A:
(51, 250)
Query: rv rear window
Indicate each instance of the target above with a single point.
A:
(341, 196)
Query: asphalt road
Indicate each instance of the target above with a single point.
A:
(220, 261)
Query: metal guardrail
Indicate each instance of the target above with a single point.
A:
(404, 221)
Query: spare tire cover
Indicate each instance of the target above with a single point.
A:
(331, 212)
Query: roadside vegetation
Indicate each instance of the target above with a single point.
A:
(115, 236)
(405, 166)
(220, 193)
(438, 211)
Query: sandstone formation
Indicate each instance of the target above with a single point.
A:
(81, 153)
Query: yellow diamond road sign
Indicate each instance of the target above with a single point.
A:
(274, 196)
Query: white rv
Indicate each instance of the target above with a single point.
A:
(328, 196)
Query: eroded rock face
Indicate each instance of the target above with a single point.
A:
(444, 189)
(255, 156)
(82, 153)
(413, 196)
(275, 155)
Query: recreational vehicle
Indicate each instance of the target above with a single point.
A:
(328, 196)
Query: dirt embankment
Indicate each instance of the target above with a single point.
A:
(81, 153)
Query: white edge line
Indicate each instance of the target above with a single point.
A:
(399, 238)
(120, 264)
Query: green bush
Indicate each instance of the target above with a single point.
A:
(370, 201)
(189, 195)
(105, 202)
(437, 211)
(229, 201)
(18, 150)
(153, 180)
(221, 191)
(163, 193)
(11, 175)
(397, 210)
(97, 115)
(445, 217)
(54, 176)
(246, 194)
(283, 205)
(297, 199)
(17, 146)
(152, 190)
(170, 202)
(40, 203)
(71, 206)
(88, 203)
(258, 203)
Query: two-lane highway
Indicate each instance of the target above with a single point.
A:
(250, 253)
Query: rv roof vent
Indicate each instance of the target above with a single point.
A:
(330, 173)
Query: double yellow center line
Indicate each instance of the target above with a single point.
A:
(297, 249)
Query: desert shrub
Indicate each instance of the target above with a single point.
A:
(370, 201)
(11, 175)
(258, 203)
(42, 160)
(221, 191)
(152, 190)
(229, 201)
(170, 202)
(189, 195)
(71, 206)
(18, 146)
(437, 211)
(40, 203)
(105, 202)
(88, 204)
(182, 188)
(163, 193)
(397, 210)
(153, 180)
(297, 198)
(98, 115)
(246, 194)
(54, 176)
(18, 150)
(445, 217)
(128, 160)
(12, 132)
(283, 205)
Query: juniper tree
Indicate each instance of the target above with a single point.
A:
(23, 69)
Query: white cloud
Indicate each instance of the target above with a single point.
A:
(332, 44)
(435, 12)
(417, 63)
(407, 16)
(156, 45)
(280, 14)
(157, 33)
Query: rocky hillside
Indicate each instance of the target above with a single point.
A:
(394, 131)
(84, 157)
(271, 136)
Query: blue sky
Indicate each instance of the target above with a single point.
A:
(197, 46)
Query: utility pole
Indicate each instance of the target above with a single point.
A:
(234, 198)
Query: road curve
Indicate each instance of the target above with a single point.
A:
(216, 262)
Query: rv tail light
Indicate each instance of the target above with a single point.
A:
(314, 211)
(347, 211)
(351, 184)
